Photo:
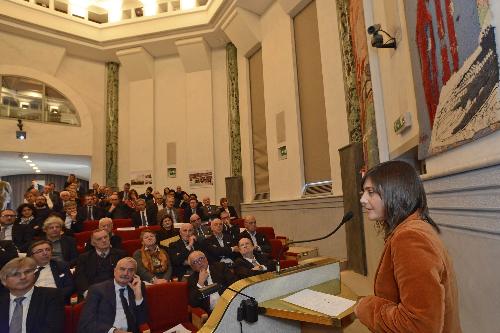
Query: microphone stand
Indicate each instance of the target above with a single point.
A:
(349, 215)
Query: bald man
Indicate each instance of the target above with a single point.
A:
(179, 251)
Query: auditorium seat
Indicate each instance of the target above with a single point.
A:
(180, 214)
(81, 239)
(130, 246)
(122, 223)
(239, 222)
(90, 225)
(128, 234)
(285, 263)
(276, 247)
(168, 306)
(72, 316)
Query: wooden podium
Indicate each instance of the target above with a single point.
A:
(320, 274)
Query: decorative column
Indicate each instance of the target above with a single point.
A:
(112, 124)
(234, 108)
(357, 80)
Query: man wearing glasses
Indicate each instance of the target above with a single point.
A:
(25, 308)
(49, 272)
(20, 234)
(204, 275)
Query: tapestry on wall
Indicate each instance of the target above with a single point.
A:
(455, 63)
(357, 79)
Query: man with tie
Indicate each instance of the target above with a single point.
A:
(25, 308)
(204, 275)
(20, 234)
(144, 215)
(193, 208)
(51, 273)
(251, 263)
(210, 211)
(124, 195)
(200, 231)
(233, 231)
(179, 251)
(169, 210)
(117, 305)
(258, 239)
(89, 211)
(219, 246)
(96, 265)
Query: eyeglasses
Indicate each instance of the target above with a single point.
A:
(42, 250)
(198, 260)
(18, 274)
(9, 215)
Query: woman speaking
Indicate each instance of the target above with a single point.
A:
(415, 289)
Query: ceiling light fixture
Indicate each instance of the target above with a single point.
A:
(188, 4)
(32, 164)
(28, 161)
(25, 156)
(38, 171)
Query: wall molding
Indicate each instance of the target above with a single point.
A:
(297, 204)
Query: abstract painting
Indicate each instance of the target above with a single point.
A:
(455, 62)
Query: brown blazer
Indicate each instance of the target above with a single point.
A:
(415, 287)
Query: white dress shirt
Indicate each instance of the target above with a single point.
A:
(26, 306)
(46, 278)
(213, 297)
(120, 318)
(8, 232)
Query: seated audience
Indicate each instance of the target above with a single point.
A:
(179, 251)
(153, 263)
(158, 201)
(63, 246)
(251, 263)
(51, 273)
(167, 229)
(42, 210)
(107, 224)
(144, 215)
(20, 234)
(233, 231)
(50, 197)
(204, 275)
(125, 194)
(89, 211)
(219, 246)
(96, 265)
(8, 251)
(201, 231)
(72, 222)
(170, 210)
(116, 305)
(192, 209)
(184, 203)
(209, 211)
(27, 214)
(224, 207)
(148, 196)
(258, 240)
(131, 202)
(24, 307)
(117, 209)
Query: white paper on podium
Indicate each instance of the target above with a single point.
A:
(178, 329)
(325, 303)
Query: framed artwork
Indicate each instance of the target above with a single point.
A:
(201, 178)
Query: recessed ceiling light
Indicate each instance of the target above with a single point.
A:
(35, 168)
(38, 171)
(32, 164)
(28, 161)
(25, 156)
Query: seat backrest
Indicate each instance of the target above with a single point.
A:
(130, 246)
(276, 246)
(122, 223)
(72, 316)
(167, 305)
(128, 234)
(239, 222)
(288, 263)
(90, 225)
(267, 231)
(82, 237)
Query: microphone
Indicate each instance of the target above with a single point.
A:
(248, 310)
(348, 216)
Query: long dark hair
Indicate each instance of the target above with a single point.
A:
(402, 192)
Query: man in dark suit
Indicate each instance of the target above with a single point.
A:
(63, 246)
(144, 215)
(251, 263)
(170, 210)
(258, 240)
(233, 231)
(31, 309)
(20, 234)
(201, 231)
(148, 196)
(51, 273)
(219, 246)
(107, 224)
(204, 275)
(192, 209)
(124, 195)
(42, 210)
(96, 265)
(179, 251)
(117, 209)
(89, 211)
(210, 211)
(116, 305)
(8, 251)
